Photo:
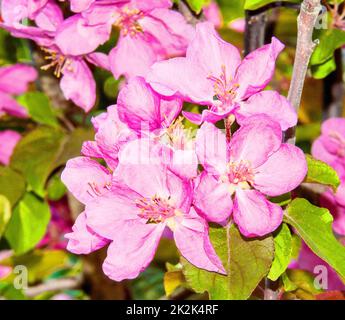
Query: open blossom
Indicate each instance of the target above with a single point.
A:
(240, 174)
(213, 74)
(9, 140)
(330, 146)
(144, 198)
(14, 80)
(68, 58)
(149, 32)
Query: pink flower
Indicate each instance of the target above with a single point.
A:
(212, 74)
(213, 14)
(145, 197)
(14, 80)
(5, 270)
(149, 32)
(330, 146)
(67, 53)
(9, 140)
(239, 174)
(238, 25)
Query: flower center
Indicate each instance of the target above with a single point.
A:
(128, 22)
(155, 209)
(337, 138)
(96, 190)
(225, 90)
(239, 174)
(57, 61)
(178, 136)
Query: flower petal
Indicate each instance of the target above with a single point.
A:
(272, 104)
(9, 140)
(79, 85)
(16, 78)
(192, 240)
(133, 250)
(257, 69)
(257, 139)
(11, 106)
(213, 199)
(49, 17)
(83, 240)
(282, 172)
(254, 214)
(212, 149)
(85, 178)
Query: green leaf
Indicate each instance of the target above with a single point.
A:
(39, 108)
(330, 40)
(283, 249)
(28, 224)
(320, 71)
(246, 262)
(172, 281)
(314, 225)
(288, 284)
(322, 173)
(256, 4)
(5, 213)
(35, 154)
(197, 5)
(56, 189)
(12, 184)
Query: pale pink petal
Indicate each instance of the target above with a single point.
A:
(334, 124)
(131, 57)
(282, 172)
(133, 250)
(108, 212)
(323, 149)
(270, 103)
(207, 116)
(152, 4)
(177, 76)
(78, 84)
(185, 163)
(254, 214)
(257, 69)
(169, 110)
(13, 11)
(75, 37)
(83, 240)
(192, 240)
(239, 25)
(15, 79)
(5, 271)
(212, 149)
(257, 139)
(11, 106)
(91, 149)
(213, 199)
(49, 17)
(80, 5)
(8, 141)
(212, 53)
(340, 194)
(99, 59)
(213, 14)
(85, 178)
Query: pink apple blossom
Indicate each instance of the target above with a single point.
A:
(238, 25)
(212, 74)
(149, 32)
(330, 146)
(143, 199)
(240, 174)
(14, 80)
(8, 141)
(66, 52)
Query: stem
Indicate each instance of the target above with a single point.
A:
(307, 18)
(190, 16)
(334, 90)
(53, 285)
(255, 30)
(228, 123)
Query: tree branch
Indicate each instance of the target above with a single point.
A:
(255, 30)
(190, 16)
(310, 10)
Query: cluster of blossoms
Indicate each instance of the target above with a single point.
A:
(149, 178)
(329, 148)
